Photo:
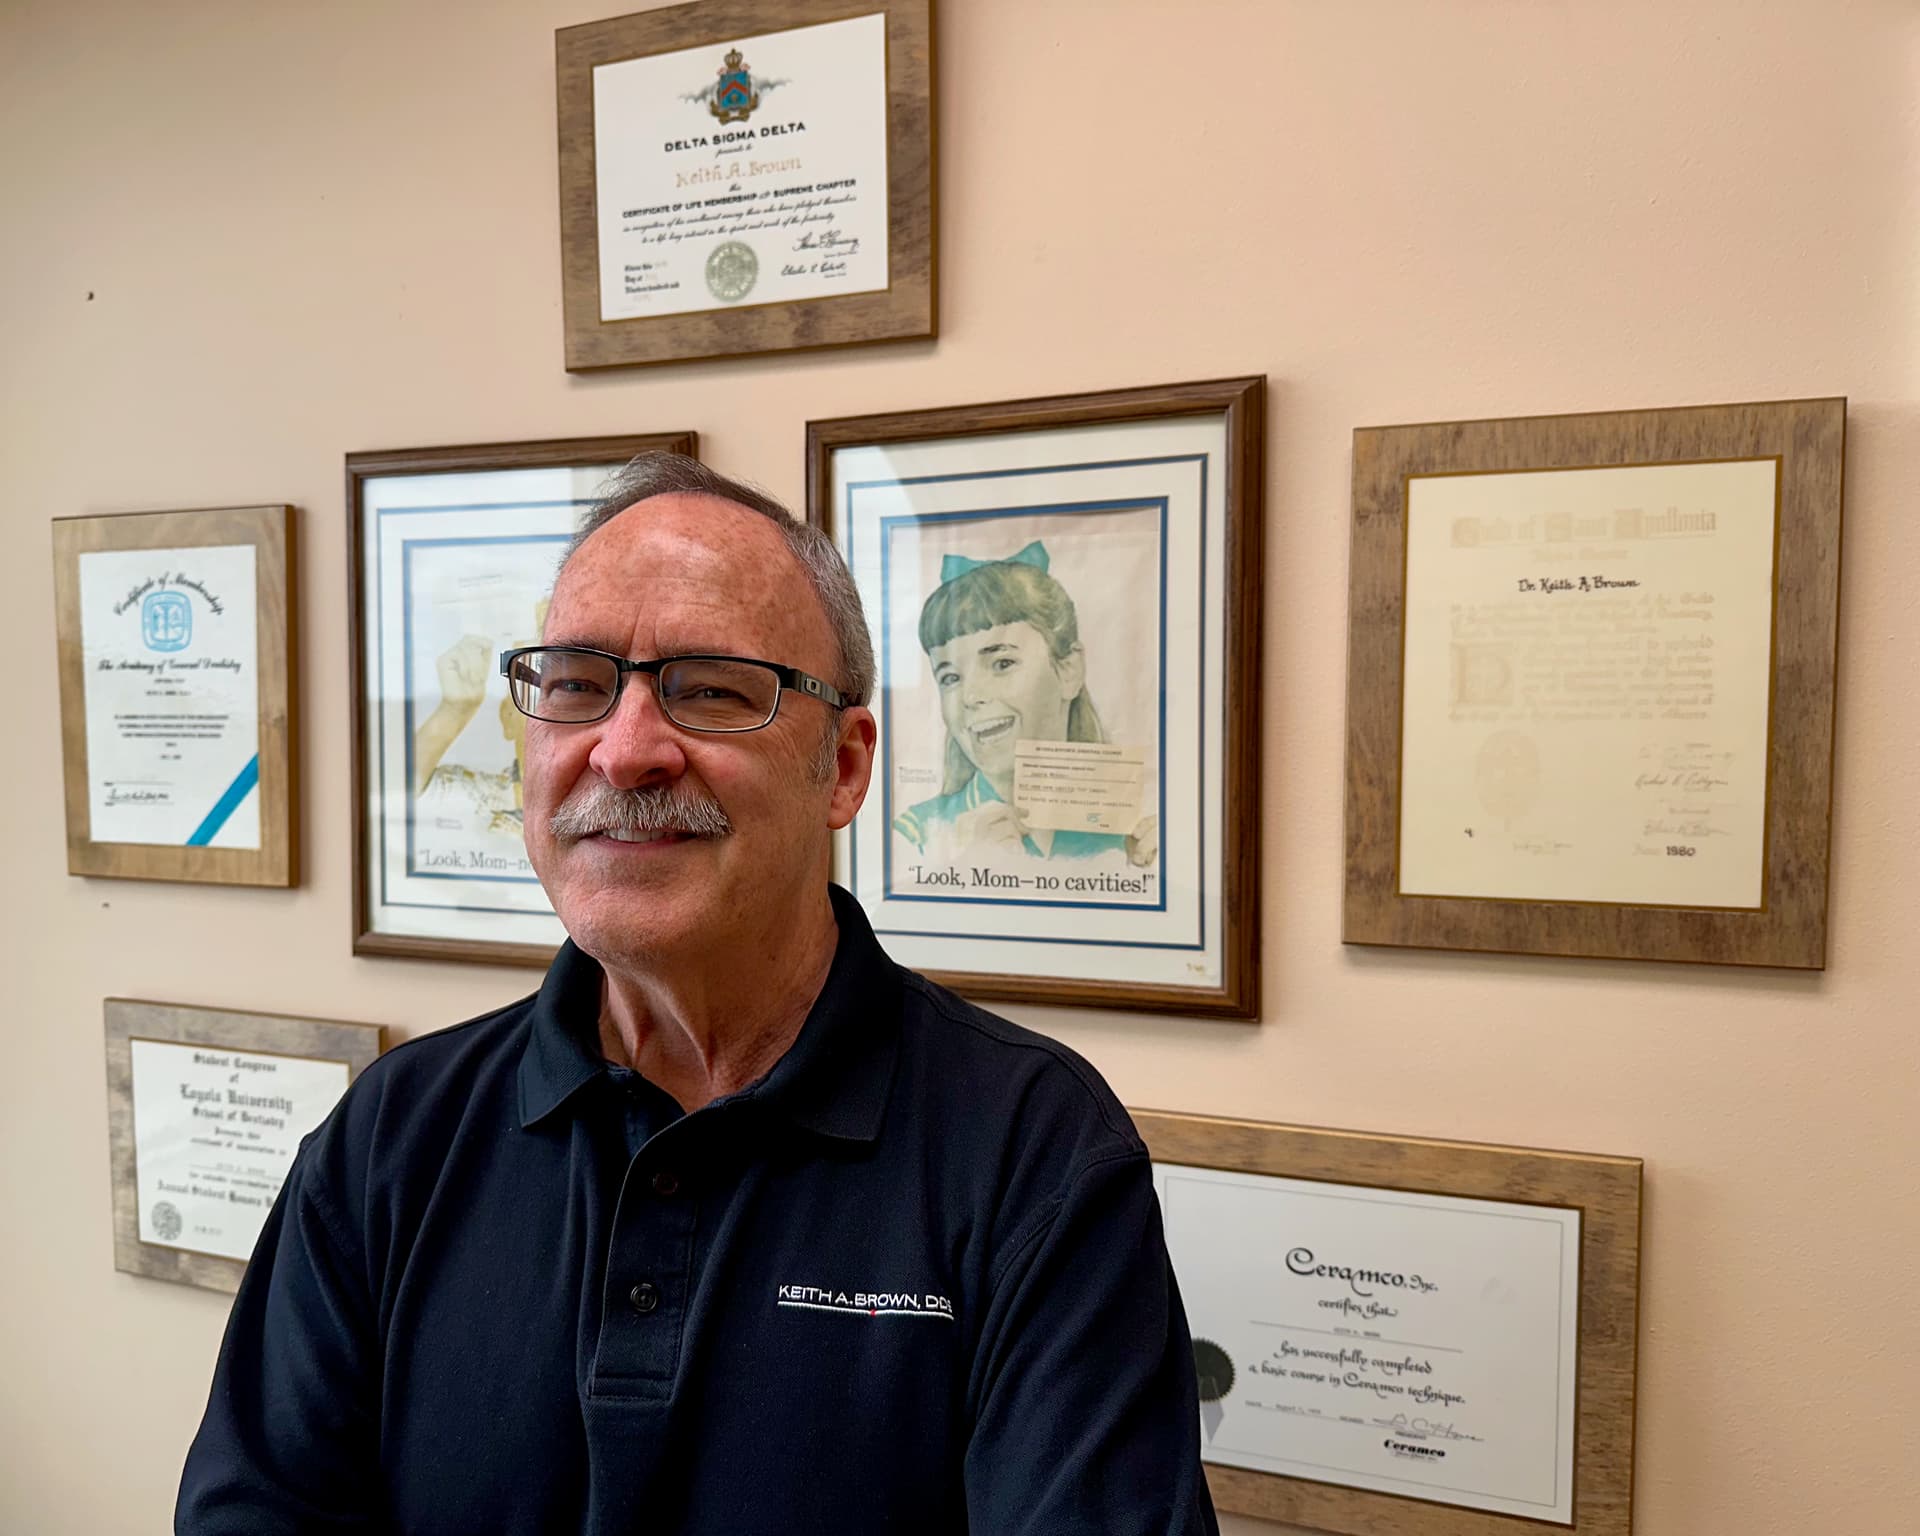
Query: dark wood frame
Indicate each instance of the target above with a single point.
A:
(467, 459)
(1605, 1190)
(271, 530)
(1808, 438)
(1242, 403)
(905, 309)
(127, 1019)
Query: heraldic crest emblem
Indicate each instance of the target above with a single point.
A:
(734, 95)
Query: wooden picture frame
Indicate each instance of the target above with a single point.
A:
(752, 227)
(179, 717)
(1147, 505)
(1604, 1191)
(451, 556)
(1651, 689)
(247, 1053)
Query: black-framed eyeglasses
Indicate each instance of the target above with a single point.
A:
(572, 685)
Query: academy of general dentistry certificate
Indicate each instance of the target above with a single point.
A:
(172, 683)
(1588, 676)
(1412, 1344)
(743, 173)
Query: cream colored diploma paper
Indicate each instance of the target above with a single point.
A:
(745, 172)
(1588, 668)
(214, 1133)
(168, 643)
(1409, 1344)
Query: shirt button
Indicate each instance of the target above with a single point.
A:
(644, 1297)
(665, 1184)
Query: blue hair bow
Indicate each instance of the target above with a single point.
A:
(951, 566)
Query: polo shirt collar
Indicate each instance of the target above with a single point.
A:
(834, 1079)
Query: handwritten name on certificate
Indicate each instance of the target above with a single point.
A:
(1412, 1344)
(1587, 677)
(214, 1134)
(169, 650)
(744, 172)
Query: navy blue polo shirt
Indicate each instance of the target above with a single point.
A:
(912, 1280)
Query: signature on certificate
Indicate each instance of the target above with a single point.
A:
(828, 239)
(1433, 1429)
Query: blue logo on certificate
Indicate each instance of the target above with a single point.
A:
(166, 621)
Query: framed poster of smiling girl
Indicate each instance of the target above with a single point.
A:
(1064, 600)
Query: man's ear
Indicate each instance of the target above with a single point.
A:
(852, 765)
(1071, 669)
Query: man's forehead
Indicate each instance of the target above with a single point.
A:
(686, 563)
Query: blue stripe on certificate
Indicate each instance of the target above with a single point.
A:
(238, 790)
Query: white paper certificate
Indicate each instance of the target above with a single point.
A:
(745, 172)
(1412, 1344)
(168, 643)
(214, 1134)
(1588, 675)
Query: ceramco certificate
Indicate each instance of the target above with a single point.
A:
(169, 648)
(1410, 1344)
(744, 172)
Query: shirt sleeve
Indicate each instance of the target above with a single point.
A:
(290, 1441)
(1087, 1420)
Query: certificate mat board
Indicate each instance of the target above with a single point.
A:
(206, 1109)
(739, 176)
(453, 554)
(1063, 597)
(176, 694)
(1591, 683)
(1428, 1337)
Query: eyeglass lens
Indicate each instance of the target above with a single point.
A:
(700, 694)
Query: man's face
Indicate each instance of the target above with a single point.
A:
(1001, 685)
(676, 575)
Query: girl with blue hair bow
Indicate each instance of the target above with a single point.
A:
(1003, 640)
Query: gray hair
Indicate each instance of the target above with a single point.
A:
(664, 474)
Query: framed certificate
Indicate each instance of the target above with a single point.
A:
(176, 694)
(205, 1110)
(741, 176)
(1591, 683)
(1064, 598)
(1433, 1338)
(453, 553)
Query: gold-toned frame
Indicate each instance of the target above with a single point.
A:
(270, 530)
(1808, 440)
(1606, 1192)
(1241, 405)
(266, 1034)
(471, 458)
(904, 309)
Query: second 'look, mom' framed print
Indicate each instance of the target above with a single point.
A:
(1063, 596)
(453, 553)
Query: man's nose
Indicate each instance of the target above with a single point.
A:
(637, 744)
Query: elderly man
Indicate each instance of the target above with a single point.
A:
(734, 1226)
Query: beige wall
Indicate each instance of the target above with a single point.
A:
(239, 238)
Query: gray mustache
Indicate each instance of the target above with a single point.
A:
(596, 806)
